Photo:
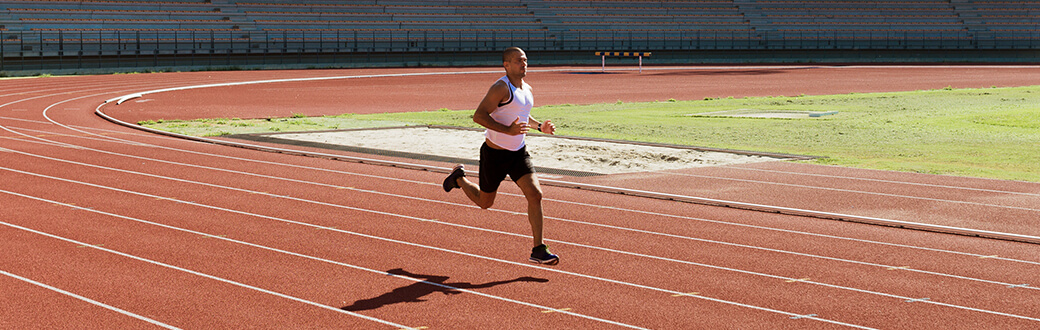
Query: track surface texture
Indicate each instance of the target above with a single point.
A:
(105, 226)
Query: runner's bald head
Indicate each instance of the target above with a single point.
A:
(511, 52)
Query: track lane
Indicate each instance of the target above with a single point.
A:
(171, 294)
(569, 85)
(956, 209)
(92, 203)
(193, 193)
(882, 189)
(341, 187)
(212, 254)
(962, 216)
(910, 179)
(268, 231)
(240, 158)
(24, 297)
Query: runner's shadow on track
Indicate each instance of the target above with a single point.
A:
(430, 284)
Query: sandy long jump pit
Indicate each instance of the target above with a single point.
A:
(550, 154)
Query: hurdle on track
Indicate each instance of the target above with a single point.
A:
(603, 58)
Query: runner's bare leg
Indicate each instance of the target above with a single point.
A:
(533, 192)
(481, 198)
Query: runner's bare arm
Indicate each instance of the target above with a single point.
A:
(495, 95)
(546, 126)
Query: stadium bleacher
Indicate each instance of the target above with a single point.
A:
(41, 27)
(651, 19)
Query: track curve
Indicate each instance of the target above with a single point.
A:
(102, 218)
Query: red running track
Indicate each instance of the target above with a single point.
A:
(107, 226)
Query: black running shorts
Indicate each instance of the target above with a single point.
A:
(495, 164)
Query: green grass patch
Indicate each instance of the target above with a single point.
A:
(992, 132)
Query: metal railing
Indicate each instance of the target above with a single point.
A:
(100, 49)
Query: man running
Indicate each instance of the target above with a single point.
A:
(506, 113)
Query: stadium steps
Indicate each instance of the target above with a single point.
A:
(639, 16)
(852, 16)
(996, 17)
(547, 19)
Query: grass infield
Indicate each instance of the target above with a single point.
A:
(990, 133)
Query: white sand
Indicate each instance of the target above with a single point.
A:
(546, 151)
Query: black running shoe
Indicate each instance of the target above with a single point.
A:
(540, 254)
(451, 182)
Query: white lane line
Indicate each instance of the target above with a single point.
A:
(486, 230)
(516, 195)
(73, 87)
(215, 278)
(858, 240)
(399, 242)
(578, 222)
(885, 181)
(88, 300)
(377, 237)
(136, 133)
(110, 91)
(242, 83)
(395, 179)
(857, 262)
(66, 135)
(933, 228)
(649, 194)
(855, 191)
(73, 91)
(294, 254)
(124, 98)
(250, 82)
(140, 94)
(517, 213)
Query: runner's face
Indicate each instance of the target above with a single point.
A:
(517, 66)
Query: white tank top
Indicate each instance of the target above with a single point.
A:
(518, 106)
